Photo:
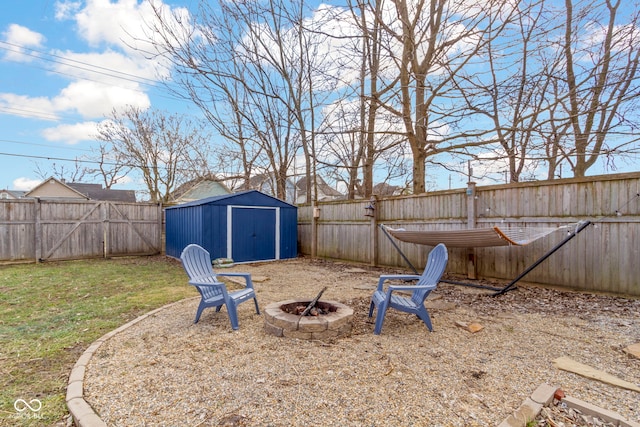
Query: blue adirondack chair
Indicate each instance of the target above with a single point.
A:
(197, 263)
(427, 282)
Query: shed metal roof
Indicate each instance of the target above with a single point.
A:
(224, 198)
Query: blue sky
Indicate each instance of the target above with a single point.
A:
(64, 66)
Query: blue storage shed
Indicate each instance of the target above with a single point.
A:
(246, 226)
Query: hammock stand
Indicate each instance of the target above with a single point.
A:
(476, 237)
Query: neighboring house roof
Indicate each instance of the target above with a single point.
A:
(198, 189)
(96, 192)
(53, 188)
(266, 183)
(263, 182)
(11, 194)
(325, 191)
(384, 189)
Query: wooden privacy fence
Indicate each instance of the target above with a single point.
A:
(47, 230)
(604, 257)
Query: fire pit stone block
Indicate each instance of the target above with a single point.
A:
(335, 324)
(312, 324)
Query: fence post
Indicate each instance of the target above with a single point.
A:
(38, 230)
(161, 227)
(371, 211)
(471, 223)
(315, 215)
(106, 230)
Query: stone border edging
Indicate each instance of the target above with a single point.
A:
(544, 394)
(82, 413)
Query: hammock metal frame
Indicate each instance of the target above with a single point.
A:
(482, 240)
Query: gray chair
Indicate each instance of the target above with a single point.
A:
(197, 263)
(427, 282)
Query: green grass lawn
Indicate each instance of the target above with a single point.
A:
(50, 313)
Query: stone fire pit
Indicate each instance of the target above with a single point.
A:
(335, 324)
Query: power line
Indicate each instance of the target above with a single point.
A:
(80, 160)
(29, 113)
(31, 156)
(44, 145)
(23, 50)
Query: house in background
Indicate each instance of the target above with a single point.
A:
(266, 183)
(197, 189)
(325, 191)
(384, 189)
(53, 188)
(11, 194)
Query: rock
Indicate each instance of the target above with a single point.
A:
(634, 350)
(471, 327)
(475, 327)
(463, 325)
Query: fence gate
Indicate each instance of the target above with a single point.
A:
(57, 230)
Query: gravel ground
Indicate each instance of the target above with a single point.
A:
(167, 371)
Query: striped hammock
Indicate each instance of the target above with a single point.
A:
(473, 237)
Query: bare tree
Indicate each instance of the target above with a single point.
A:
(358, 139)
(111, 166)
(209, 73)
(167, 150)
(374, 89)
(247, 65)
(600, 54)
(513, 95)
(508, 82)
(63, 172)
(343, 144)
(436, 40)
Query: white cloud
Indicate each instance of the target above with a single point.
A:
(87, 98)
(125, 24)
(95, 100)
(24, 106)
(25, 184)
(124, 181)
(103, 21)
(66, 9)
(72, 134)
(104, 80)
(20, 37)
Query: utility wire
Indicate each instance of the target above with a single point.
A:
(85, 66)
(11, 141)
(80, 160)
